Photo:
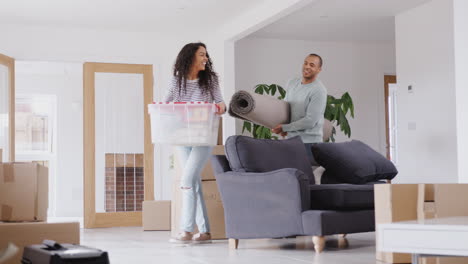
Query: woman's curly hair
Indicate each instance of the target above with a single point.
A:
(207, 79)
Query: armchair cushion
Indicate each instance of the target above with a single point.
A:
(353, 162)
(246, 154)
(341, 197)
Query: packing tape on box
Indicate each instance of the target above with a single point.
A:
(7, 212)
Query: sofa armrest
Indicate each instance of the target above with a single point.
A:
(263, 205)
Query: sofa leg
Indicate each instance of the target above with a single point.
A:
(319, 243)
(233, 243)
(342, 241)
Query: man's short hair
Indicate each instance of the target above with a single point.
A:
(318, 56)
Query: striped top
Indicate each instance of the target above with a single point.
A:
(194, 93)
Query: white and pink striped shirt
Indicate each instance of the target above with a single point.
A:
(193, 93)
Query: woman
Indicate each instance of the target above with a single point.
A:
(194, 80)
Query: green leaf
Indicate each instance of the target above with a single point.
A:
(267, 133)
(247, 126)
(260, 88)
(337, 115)
(345, 125)
(329, 112)
(254, 131)
(282, 92)
(273, 89)
(259, 131)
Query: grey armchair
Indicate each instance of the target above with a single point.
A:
(268, 191)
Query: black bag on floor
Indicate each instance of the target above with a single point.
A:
(51, 252)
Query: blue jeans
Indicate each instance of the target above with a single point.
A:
(193, 204)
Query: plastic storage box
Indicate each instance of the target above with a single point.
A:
(184, 124)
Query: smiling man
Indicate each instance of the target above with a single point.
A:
(307, 97)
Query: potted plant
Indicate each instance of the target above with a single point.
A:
(336, 111)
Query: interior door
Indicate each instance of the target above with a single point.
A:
(118, 153)
(7, 108)
(388, 79)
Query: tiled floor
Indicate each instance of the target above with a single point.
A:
(131, 245)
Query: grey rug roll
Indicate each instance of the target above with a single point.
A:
(260, 109)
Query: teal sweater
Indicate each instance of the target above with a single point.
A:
(307, 102)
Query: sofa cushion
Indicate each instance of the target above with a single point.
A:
(341, 197)
(353, 162)
(246, 154)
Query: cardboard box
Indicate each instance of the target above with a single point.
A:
(393, 203)
(214, 207)
(406, 202)
(207, 172)
(157, 215)
(23, 192)
(24, 234)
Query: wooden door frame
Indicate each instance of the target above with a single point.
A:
(92, 219)
(387, 80)
(10, 64)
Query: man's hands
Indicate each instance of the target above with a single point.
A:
(279, 130)
(221, 108)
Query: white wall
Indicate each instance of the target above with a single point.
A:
(425, 60)
(461, 80)
(357, 68)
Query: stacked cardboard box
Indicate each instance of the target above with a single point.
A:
(406, 202)
(23, 192)
(29, 233)
(23, 209)
(211, 195)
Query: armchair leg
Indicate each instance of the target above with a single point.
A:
(233, 243)
(319, 243)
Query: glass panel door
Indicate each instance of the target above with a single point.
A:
(118, 150)
(7, 104)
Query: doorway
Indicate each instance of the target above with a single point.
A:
(118, 153)
(390, 116)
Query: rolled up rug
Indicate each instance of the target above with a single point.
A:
(260, 109)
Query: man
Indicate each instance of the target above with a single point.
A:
(307, 97)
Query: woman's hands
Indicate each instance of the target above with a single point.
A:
(221, 109)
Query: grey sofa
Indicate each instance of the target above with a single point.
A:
(268, 191)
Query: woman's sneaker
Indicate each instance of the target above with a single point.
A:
(182, 238)
(202, 238)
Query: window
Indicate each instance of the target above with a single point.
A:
(35, 118)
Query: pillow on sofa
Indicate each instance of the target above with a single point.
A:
(246, 154)
(353, 162)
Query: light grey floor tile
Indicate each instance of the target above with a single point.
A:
(131, 245)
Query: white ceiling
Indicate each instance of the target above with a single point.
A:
(340, 20)
(126, 15)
